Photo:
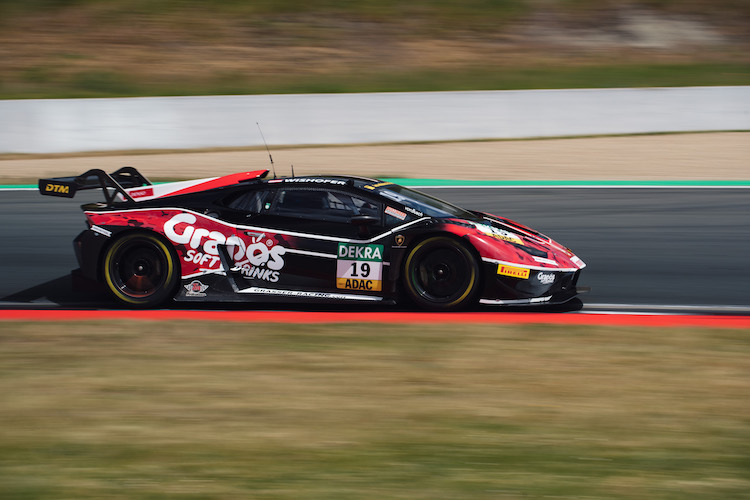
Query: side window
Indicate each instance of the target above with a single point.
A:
(300, 203)
(332, 206)
(249, 201)
(366, 207)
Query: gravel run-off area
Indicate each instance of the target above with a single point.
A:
(702, 156)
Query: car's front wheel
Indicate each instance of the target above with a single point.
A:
(140, 270)
(441, 273)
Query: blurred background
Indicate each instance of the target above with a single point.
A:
(118, 409)
(106, 48)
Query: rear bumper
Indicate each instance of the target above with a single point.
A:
(88, 249)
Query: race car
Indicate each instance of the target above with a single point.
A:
(247, 238)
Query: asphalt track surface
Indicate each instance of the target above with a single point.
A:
(659, 249)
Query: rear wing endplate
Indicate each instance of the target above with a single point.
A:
(111, 184)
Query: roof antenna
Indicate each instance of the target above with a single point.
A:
(292, 171)
(269, 152)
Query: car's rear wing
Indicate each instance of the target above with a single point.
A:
(111, 184)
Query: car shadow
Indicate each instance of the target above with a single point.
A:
(68, 292)
(59, 293)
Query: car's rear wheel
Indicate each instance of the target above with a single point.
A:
(140, 270)
(441, 273)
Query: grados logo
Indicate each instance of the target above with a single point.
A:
(263, 259)
(546, 278)
(260, 259)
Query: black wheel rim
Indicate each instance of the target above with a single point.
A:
(139, 269)
(442, 274)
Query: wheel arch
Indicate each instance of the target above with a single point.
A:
(461, 241)
(173, 261)
(119, 232)
(419, 239)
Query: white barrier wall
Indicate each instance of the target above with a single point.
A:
(70, 125)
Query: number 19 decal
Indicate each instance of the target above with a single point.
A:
(364, 270)
(360, 267)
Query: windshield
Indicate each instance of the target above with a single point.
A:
(423, 203)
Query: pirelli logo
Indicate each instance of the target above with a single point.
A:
(514, 272)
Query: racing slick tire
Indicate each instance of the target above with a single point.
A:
(140, 270)
(441, 273)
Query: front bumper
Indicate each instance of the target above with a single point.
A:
(547, 286)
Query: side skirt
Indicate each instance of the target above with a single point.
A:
(221, 286)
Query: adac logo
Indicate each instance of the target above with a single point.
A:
(195, 289)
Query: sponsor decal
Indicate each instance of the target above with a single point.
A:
(533, 300)
(313, 295)
(500, 234)
(514, 272)
(261, 258)
(379, 184)
(413, 211)
(545, 261)
(359, 267)
(395, 213)
(264, 259)
(353, 251)
(545, 278)
(57, 188)
(141, 193)
(101, 230)
(334, 182)
(399, 240)
(195, 289)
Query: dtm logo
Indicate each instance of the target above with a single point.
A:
(57, 188)
(259, 259)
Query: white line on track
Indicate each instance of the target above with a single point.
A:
(601, 186)
(525, 186)
(664, 309)
(629, 313)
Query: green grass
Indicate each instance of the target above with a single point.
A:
(118, 48)
(113, 84)
(448, 14)
(155, 410)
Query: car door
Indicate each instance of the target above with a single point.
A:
(306, 239)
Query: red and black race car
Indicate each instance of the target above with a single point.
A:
(246, 238)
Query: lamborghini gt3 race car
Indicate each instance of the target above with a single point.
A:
(243, 237)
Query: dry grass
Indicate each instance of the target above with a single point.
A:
(227, 411)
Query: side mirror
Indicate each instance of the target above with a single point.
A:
(363, 223)
(364, 220)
